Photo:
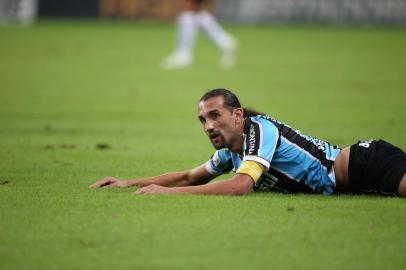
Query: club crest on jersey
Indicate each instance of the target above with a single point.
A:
(216, 159)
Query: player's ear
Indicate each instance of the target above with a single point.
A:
(239, 115)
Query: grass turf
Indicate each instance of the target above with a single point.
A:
(67, 86)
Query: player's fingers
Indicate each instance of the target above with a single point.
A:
(114, 184)
(105, 181)
(97, 184)
(107, 184)
(141, 191)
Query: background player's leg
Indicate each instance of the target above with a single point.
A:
(218, 35)
(183, 55)
(402, 187)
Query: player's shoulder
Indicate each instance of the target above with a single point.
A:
(224, 152)
(222, 155)
(220, 162)
(259, 123)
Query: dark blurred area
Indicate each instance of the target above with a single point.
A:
(127, 9)
(68, 8)
(236, 11)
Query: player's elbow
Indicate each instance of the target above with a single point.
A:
(186, 179)
(243, 185)
(242, 191)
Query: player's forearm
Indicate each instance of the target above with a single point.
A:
(172, 179)
(228, 187)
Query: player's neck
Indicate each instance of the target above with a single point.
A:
(238, 144)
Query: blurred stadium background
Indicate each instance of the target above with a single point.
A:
(240, 11)
(82, 97)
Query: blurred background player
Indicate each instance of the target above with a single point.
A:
(18, 11)
(195, 15)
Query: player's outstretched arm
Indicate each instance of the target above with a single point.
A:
(240, 184)
(196, 176)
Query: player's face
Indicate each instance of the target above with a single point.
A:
(221, 125)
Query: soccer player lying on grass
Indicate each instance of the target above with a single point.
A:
(267, 155)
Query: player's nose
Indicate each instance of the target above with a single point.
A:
(208, 126)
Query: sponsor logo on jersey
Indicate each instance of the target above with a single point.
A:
(366, 144)
(251, 140)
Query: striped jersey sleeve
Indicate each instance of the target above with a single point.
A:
(220, 162)
(261, 138)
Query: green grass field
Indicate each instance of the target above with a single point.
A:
(67, 86)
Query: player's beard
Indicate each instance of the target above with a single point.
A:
(218, 141)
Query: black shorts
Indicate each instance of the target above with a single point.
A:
(376, 166)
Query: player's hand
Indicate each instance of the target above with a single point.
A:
(110, 182)
(154, 189)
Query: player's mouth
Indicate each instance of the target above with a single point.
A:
(214, 137)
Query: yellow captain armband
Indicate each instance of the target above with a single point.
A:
(252, 169)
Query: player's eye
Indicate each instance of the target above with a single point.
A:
(214, 115)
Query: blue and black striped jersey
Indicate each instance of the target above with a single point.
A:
(293, 162)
